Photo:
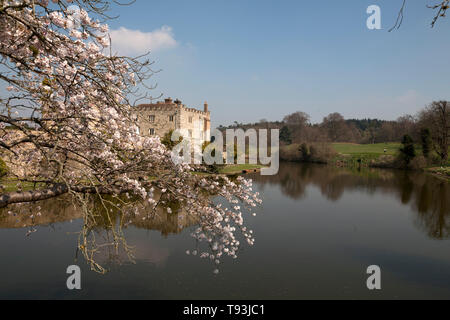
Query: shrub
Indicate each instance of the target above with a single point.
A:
(285, 135)
(418, 162)
(234, 151)
(387, 161)
(214, 168)
(435, 159)
(321, 152)
(425, 137)
(407, 152)
(290, 153)
(304, 151)
(167, 140)
(3, 168)
(316, 152)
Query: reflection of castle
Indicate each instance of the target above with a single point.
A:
(428, 197)
(61, 209)
(166, 223)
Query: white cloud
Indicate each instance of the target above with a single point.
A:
(410, 97)
(132, 42)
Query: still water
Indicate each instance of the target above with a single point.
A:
(318, 230)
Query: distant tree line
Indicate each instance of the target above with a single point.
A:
(428, 128)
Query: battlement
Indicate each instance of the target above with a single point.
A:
(157, 107)
(168, 104)
(195, 111)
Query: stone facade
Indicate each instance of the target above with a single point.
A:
(163, 116)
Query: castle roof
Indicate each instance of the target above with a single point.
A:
(168, 104)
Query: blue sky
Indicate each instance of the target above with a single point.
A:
(264, 59)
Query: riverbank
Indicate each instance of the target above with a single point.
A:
(381, 155)
(10, 185)
(233, 169)
(340, 154)
(440, 172)
(369, 155)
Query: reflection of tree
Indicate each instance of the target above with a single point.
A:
(290, 178)
(26, 214)
(332, 182)
(293, 187)
(406, 187)
(428, 196)
(61, 210)
(433, 207)
(424, 199)
(166, 223)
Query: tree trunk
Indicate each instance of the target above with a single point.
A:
(30, 196)
(57, 190)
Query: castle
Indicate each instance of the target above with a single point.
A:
(163, 116)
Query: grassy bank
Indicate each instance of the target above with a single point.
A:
(351, 154)
(367, 149)
(239, 168)
(441, 172)
(234, 169)
(381, 155)
(340, 154)
(12, 185)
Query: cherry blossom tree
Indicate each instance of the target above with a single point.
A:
(66, 127)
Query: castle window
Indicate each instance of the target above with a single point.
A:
(171, 118)
(190, 119)
(190, 133)
(151, 118)
(151, 131)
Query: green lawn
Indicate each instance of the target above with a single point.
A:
(232, 169)
(11, 185)
(373, 149)
(238, 168)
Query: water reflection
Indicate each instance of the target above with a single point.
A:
(316, 233)
(427, 196)
(61, 209)
(106, 253)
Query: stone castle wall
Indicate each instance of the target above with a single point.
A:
(169, 115)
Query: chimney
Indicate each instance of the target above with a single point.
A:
(168, 100)
(206, 106)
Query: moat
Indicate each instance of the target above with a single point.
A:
(318, 230)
